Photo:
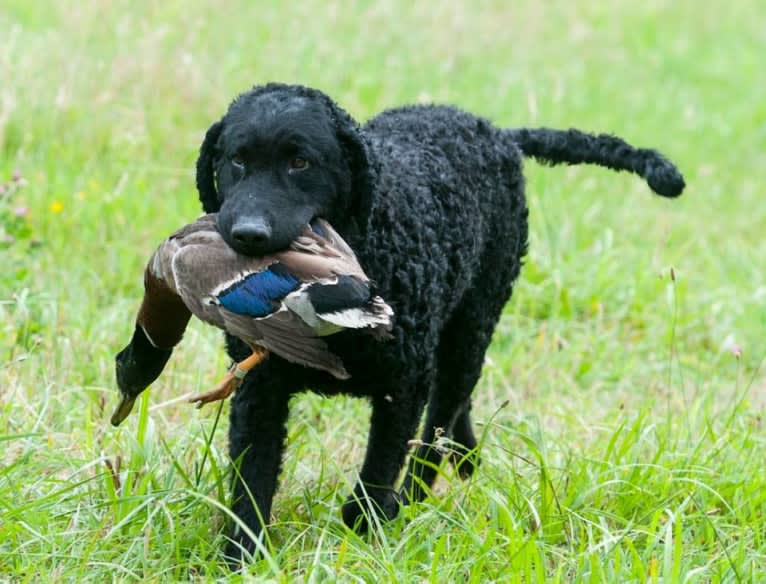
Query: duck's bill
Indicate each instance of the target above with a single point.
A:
(123, 409)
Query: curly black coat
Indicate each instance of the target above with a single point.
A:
(432, 200)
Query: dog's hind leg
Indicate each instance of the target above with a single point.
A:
(463, 343)
(463, 455)
(461, 355)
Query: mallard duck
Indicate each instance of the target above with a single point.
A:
(283, 302)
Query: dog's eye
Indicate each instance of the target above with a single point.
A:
(297, 164)
(238, 161)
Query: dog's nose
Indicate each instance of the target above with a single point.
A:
(251, 233)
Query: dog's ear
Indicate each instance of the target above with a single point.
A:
(356, 151)
(208, 153)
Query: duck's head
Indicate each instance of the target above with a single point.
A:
(136, 366)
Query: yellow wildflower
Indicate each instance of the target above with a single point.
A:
(57, 207)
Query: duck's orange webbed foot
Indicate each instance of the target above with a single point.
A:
(230, 382)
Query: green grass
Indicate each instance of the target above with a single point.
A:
(621, 412)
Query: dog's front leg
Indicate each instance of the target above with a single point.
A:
(256, 443)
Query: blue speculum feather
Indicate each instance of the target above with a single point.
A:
(316, 228)
(257, 294)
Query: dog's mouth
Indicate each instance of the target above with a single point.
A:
(259, 250)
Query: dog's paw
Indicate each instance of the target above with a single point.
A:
(465, 462)
(363, 506)
(240, 550)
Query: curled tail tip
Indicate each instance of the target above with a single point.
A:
(577, 147)
(665, 179)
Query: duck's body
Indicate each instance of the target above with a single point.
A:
(284, 302)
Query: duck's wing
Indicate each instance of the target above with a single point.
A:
(373, 313)
(335, 289)
(342, 302)
(200, 233)
(204, 224)
(257, 294)
(285, 334)
(210, 276)
(320, 253)
(326, 231)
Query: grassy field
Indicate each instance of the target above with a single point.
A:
(621, 410)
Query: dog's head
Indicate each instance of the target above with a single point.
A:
(281, 156)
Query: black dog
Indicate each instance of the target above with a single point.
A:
(432, 200)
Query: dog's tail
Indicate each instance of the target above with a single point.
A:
(576, 147)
